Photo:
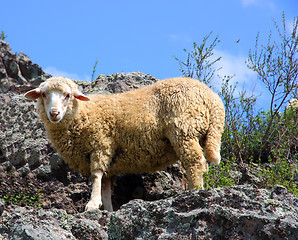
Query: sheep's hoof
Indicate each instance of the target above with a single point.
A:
(92, 205)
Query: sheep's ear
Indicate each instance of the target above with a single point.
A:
(33, 94)
(81, 96)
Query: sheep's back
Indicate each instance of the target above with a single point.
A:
(138, 123)
(145, 116)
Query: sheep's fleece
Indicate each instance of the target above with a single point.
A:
(138, 131)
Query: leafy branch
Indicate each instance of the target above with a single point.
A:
(199, 62)
(277, 67)
(2, 36)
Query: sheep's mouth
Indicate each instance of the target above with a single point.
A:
(54, 120)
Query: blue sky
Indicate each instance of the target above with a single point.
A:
(66, 37)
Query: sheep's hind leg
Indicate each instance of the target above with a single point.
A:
(95, 200)
(193, 161)
(106, 189)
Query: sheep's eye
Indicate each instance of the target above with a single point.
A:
(67, 96)
(43, 95)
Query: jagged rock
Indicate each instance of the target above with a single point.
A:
(2, 205)
(117, 83)
(22, 135)
(240, 212)
(17, 72)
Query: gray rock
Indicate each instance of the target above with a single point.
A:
(2, 206)
(17, 72)
(83, 228)
(44, 232)
(22, 135)
(56, 162)
(240, 212)
(43, 171)
(39, 225)
(117, 83)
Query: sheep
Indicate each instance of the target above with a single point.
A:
(139, 131)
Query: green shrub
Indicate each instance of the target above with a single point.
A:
(94, 71)
(268, 138)
(2, 36)
(223, 175)
(25, 198)
(20, 191)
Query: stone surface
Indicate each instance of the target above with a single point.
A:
(240, 212)
(17, 72)
(2, 206)
(117, 83)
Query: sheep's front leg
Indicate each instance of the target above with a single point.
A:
(107, 194)
(95, 201)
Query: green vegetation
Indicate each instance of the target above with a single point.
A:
(2, 36)
(198, 63)
(21, 192)
(264, 143)
(94, 71)
(23, 199)
(221, 175)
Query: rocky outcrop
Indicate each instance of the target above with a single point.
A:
(17, 72)
(43, 199)
(117, 83)
(240, 212)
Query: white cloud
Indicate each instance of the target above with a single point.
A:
(246, 3)
(289, 26)
(179, 38)
(268, 4)
(174, 37)
(59, 73)
(234, 65)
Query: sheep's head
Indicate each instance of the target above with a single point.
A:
(56, 97)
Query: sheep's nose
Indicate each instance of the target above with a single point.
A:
(54, 114)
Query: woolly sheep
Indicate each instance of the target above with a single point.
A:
(139, 131)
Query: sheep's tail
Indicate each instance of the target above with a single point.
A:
(213, 136)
